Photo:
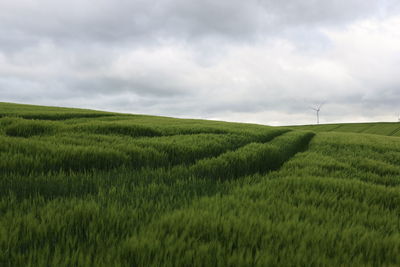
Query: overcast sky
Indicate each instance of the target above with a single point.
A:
(262, 61)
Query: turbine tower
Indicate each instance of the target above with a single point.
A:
(317, 109)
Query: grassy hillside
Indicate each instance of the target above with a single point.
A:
(381, 128)
(88, 188)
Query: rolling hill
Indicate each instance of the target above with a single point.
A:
(381, 128)
(89, 188)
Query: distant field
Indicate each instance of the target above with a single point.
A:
(90, 188)
(381, 128)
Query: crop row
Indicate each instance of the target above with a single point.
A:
(120, 126)
(249, 159)
(322, 208)
(310, 211)
(389, 129)
(53, 154)
(133, 190)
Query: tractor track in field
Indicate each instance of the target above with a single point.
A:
(255, 158)
(304, 147)
(235, 148)
(394, 132)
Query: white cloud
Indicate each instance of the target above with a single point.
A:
(255, 61)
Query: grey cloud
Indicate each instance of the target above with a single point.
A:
(233, 59)
(150, 21)
(148, 86)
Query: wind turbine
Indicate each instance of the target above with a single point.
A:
(317, 108)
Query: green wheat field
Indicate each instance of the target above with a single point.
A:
(88, 188)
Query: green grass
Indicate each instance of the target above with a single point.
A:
(382, 128)
(90, 188)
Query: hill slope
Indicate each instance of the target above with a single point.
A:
(381, 128)
(88, 188)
